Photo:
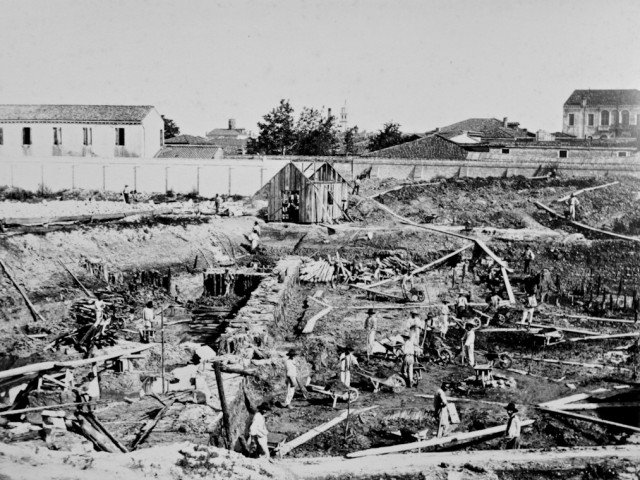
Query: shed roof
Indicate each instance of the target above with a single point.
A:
(605, 97)
(74, 113)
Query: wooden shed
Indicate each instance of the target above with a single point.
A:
(314, 194)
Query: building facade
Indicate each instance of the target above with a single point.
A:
(601, 114)
(80, 130)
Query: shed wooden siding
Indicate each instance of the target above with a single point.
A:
(314, 194)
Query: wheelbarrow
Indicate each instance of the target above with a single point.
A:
(394, 381)
(501, 360)
(337, 391)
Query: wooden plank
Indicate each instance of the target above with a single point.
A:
(507, 285)
(597, 406)
(594, 319)
(47, 407)
(457, 439)
(564, 329)
(590, 189)
(311, 323)
(36, 315)
(314, 432)
(586, 418)
(423, 268)
(604, 337)
(584, 226)
(150, 425)
(90, 294)
(574, 364)
(461, 399)
(558, 402)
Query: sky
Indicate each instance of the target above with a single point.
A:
(422, 64)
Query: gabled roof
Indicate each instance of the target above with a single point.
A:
(486, 127)
(324, 172)
(190, 151)
(604, 97)
(187, 140)
(74, 113)
(432, 146)
(226, 132)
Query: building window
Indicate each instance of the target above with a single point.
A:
(572, 119)
(622, 154)
(604, 118)
(57, 136)
(591, 119)
(624, 118)
(120, 137)
(563, 154)
(1, 137)
(505, 150)
(87, 136)
(26, 136)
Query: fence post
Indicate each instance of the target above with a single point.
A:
(104, 178)
(73, 176)
(198, 180)
(135, 178)
(42, 177)
(229, 187)
(12, 184)
(166, 180)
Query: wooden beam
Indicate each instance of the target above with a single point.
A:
(47, 407)
(597, 406)
(423, 268)
(461, 399)
(457, 439)
(150, 425)
(565, 329)
(590, 189)
(604, 337)
(595, 319)
(90, 294)
(507, 285)
(314, 432)
(36, 315)
(586, 418)
(311, 323)
(559, 402)
(584, 226)
(574, 364)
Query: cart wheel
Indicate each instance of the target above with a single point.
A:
(445, 355)
(421, 296)
(476, 322)
(353, 394)
(417, 376)
(398, 383)
(505, 360)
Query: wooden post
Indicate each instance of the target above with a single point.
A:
(104, 178)
(42, 177)
(12, 182)
(166, 179)
(73, 177)
(135, 178)
(198, 180)
(229, 186)
(223, 403)
(162, 349)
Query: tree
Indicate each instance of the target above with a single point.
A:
(277, 135)
(315, 134)
(350, 137)
(170, 128)
(389, 136)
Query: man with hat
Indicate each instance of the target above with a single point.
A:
(462, 303)
(440, 409)
(468, 344)
(409, 353)
(292, 377)
(371, 326)
(258, 432)
(347, 360)
(514, 425)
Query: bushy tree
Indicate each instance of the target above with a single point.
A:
(316, 134)
(170, 128)
(388, 136)
(350, 137)
(277, 133)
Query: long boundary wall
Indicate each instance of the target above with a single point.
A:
(245, 175)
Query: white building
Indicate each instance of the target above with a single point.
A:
(80, 130)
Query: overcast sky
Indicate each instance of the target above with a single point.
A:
(419, 63)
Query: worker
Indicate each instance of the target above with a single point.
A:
(407, 285)
(408, 357)
(217, 201)
(229, 282)
(379, 269)
(90, 390)
(146, 331)
(347, 361)
(371, 327)
(255, 241)
(573, 205)
(514, 425)
(443, 320)
(416, 326)
(529, 308)
(99, 306)
(494, 301)
(529, 257)
(468, 344)
(256, 228)
(462, 303)
(440, 403)
(356, 187)
(258, 432)
(126, 194)
(291, 372)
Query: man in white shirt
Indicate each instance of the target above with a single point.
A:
(514, 425)
(529, 256)
(258, 430)
(440, 409)
(461, 304)
(468, 345)
(347, 360)
(573, 205)
(530, 307)
(291, 372)
(371, 326)
(409, 352)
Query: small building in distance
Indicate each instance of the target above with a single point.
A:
(308, 195)
(232, 140)
(602, 114)
(80, 130)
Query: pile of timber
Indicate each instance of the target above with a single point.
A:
(316, 271)
(398, 264)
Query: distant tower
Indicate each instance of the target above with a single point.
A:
(343, 116)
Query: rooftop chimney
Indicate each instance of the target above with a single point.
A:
(328, 113)
(505, 121)
(232, 124)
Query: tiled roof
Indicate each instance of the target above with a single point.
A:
(226, 132)
(187, 140)
(604, 97)
(190, 151)
(487, 127)
(74, 113)
(433, 146)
